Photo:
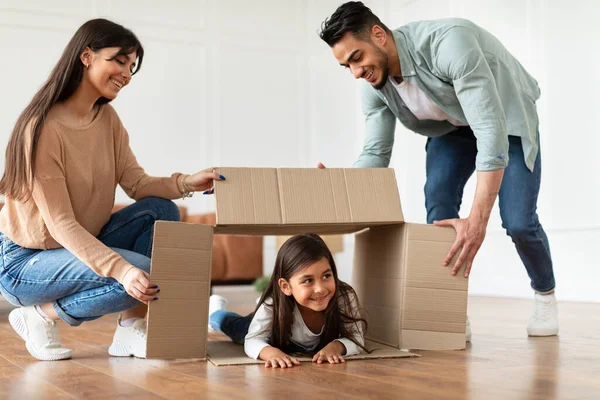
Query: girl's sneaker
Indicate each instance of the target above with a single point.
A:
(215, 303)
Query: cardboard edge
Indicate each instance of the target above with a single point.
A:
(152, 353)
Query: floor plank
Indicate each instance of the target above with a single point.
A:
(501, 362)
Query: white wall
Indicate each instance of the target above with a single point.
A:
(238, 83)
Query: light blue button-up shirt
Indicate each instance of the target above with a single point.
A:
(471, 76)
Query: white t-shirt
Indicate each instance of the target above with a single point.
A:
(420, 104)
(259, 331)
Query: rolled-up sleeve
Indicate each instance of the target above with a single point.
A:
(459, 58)
(379, 130)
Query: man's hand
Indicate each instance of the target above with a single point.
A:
(469, 235)
(470, 232)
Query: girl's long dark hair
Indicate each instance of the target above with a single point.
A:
(60, 85)
(341, 321)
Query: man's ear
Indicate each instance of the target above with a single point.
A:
(285, 286)
(378, 35)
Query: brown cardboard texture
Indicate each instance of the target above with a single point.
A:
(292, 200)
(411, 301)
(181, 265)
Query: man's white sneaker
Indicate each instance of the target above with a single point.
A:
(40, 334)
(129, 341)
(544, 321)
(215, 303)
(468, 331)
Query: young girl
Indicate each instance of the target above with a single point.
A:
(64, 256)
(305, 309)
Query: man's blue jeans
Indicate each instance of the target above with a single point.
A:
(31, 277)
(450, 163)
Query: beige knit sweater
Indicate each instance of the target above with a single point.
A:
(76, 174)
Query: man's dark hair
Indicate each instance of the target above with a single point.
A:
(353, 17)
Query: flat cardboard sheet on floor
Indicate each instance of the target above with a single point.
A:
(222, 353)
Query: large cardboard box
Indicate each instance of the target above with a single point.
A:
(410, 300)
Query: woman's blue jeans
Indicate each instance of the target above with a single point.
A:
(31, 277)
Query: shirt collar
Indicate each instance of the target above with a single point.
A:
(406, 64)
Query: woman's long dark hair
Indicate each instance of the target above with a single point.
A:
(297, 253)
(60, 85)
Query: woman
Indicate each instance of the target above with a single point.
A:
(64, 256)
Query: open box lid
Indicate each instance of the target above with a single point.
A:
(273, 201)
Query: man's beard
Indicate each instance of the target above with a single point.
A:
(383, 65)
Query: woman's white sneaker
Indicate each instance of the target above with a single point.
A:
(544, 321)
(129, 341)
(40, 334)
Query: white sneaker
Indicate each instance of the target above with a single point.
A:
(544, 321)
(468, 331)
(129, 341)
(40, 334)
(215, 303)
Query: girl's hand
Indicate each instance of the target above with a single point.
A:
(277, 358)
(137, 284)
(332, 353)
(203, 180)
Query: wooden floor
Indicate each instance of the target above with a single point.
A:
(501, 363)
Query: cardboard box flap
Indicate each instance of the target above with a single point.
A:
(181, 266)
(307, 196)
(266, 230)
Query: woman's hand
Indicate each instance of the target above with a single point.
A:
(137, 284)
(332, 353)
(202, 181)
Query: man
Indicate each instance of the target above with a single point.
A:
(455, 83)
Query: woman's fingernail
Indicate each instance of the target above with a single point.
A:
(206, 192)
(158, 291)
(222, 177)
(156, 298)
(155, 287)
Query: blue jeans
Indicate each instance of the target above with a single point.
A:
(31, 277)
(450, 163)
(233, 325)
